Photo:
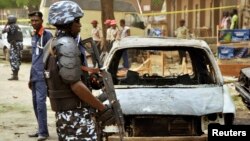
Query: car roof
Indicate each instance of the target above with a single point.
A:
(136, 41)
(149, 42)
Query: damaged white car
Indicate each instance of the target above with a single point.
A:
(173, 89)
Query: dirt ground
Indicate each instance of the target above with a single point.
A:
(17, 119)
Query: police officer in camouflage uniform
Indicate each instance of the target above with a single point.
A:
(15, 38)
(69, 97)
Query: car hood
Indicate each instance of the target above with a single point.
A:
(171, 101)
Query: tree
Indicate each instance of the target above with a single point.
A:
(107, 13)
(30, 4)
(8, 4)
(33, 5)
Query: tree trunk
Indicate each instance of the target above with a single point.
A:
(107, 13)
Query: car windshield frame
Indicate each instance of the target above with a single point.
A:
(195, 78)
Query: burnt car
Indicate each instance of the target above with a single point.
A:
(243, 86)
(163, 96)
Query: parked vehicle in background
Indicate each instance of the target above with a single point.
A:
(243, 86)
(160, 97)
(26, 52)
(4, 45)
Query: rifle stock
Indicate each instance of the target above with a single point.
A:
(109, 89)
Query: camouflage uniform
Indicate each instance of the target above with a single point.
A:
(16, 45)
(75, 125)
(15, 55)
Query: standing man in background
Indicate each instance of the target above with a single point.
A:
(114, 33)
(234, 19)
(37, 82)
(124, 32)
(182, 32)
(226, 20)
(96, 34)
(108, 33)
(15, 39)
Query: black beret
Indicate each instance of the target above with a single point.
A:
(36, 13)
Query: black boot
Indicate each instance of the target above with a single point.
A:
(14, 76)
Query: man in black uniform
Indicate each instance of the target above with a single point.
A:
(69, 97)
(15, 38)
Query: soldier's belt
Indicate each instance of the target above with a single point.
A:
(62, 100)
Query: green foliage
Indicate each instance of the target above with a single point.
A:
(19, 3)
(8, 4)
(22, 2)
(32, 3)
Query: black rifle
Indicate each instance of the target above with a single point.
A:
(108, 89)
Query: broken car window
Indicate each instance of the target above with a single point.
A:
(153, 66)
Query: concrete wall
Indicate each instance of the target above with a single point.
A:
(96, 15)
(203, 22)
(195, 21)
(90, 15)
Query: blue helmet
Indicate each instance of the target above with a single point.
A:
(64, 12)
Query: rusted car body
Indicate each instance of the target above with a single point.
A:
(165, 97)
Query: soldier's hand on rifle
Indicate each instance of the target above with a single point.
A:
(106, 117)
(90, 70)
(95, 81)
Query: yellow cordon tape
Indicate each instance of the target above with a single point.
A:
(18, 20)
(192, 10)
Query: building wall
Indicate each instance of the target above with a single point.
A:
(96, 15)
(89, 15)
(202, 13)
(202, 20)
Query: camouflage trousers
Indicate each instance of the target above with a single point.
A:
(75, 125)
(15, 55)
